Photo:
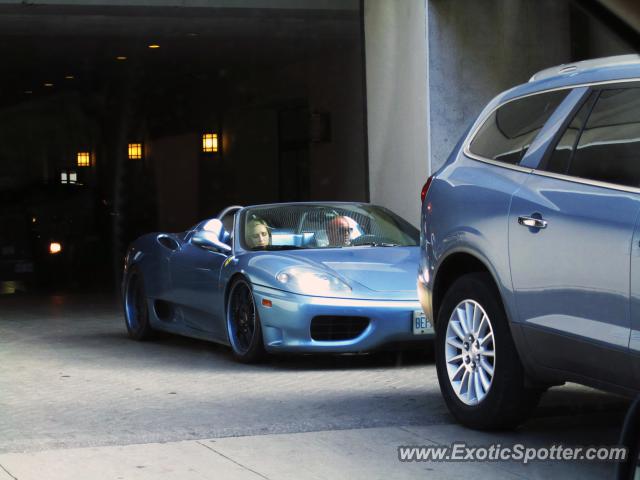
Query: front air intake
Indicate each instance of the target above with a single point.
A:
(334, 328)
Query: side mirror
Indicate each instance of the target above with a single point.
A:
(630, 438)
(209, 237)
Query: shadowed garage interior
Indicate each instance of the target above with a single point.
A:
(119, 120)
(115, 121)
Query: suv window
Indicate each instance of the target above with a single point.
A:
(507, 133)
(608, 148)
(563, 153)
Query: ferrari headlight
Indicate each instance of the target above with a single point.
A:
(311, 282)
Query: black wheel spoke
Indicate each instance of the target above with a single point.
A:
(242, 317)
(135, 307)
(140, 306)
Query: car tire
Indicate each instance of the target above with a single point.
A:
(244, 329)
(136, 308)
(480, 373)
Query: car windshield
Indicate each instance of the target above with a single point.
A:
(313, 226)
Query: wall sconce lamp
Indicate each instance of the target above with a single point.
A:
(135, 151)
(209, 142)
(84, 159)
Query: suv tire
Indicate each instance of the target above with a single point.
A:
(480, 373)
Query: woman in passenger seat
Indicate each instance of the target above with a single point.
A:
(258, 233)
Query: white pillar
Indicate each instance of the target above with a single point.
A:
(397, 103)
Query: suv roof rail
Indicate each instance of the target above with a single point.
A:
(583, 65)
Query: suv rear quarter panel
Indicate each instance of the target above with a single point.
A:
(466, 211)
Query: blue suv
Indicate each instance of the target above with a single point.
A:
(530, 244)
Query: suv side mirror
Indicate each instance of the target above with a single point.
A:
(209, 237)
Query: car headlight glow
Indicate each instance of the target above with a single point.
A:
(311, 282)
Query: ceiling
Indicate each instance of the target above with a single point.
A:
(41, 45)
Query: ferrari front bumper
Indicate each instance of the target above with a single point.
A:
(286, 324)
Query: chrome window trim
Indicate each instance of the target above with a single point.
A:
(497, 163)
(485, 117)
(586, 181)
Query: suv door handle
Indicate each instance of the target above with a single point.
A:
(532, 222)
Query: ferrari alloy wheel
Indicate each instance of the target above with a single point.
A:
(136, 312)
(480, 373)
(243, 324)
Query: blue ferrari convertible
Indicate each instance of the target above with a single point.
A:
(294, 277)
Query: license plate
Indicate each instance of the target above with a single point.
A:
(421, 324)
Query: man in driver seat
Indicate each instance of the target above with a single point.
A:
(339, 232)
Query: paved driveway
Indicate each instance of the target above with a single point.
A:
(70, 377)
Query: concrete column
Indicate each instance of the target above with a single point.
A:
(478, 49)
(397, 98)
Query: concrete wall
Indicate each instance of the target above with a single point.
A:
(251, 156)
(602, 42)
(397, 93)
(478, 49)
(176, 173)
(338, 167)
(330, 84)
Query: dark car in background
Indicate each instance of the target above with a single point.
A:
(16, 249)
(49, 236)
